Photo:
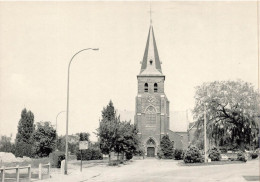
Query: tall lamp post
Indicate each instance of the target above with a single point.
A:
(205, 134)
(57, 128)
(67, 118)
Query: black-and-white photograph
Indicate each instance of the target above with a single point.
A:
(129, 91)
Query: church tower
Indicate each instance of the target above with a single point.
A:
(152, 105)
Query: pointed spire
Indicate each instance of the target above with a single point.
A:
(151, 64)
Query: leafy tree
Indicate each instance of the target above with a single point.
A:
(95, 145)
(83, 136)
(107, 129)
(61, 142)
(109, 112)
(44, 139)
(232, 108)
(6, 145)
(166, 147)
(199, 140)
(23, 141)
(140, 150)
(116, 136)
(73, 142)
(127, 140)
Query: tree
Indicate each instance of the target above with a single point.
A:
(166, 147)
(107, 135)
(107, 129)
(23, 141)
(73, 142)
(83, 136)
(127, 140)
(61, 142)
(114, 135)
(44, 139)
(232, 108)
(109, 112)
(6, 145)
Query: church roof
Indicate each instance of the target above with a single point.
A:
(151, 64)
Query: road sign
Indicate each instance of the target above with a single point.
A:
(83, 145)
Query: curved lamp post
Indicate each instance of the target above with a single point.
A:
(67, 118)
(57, 128)
(57, 120)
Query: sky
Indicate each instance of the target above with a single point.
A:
(197, 42)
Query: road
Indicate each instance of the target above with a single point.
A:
(153, 170)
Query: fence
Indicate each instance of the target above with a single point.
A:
(44, 169)
(17, 174)
(44, 172)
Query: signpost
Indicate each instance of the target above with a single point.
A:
(83, 145)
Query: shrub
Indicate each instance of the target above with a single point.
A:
(254, 155)
(192, 155)
(178, 154)
(214, 154)
(89, 154)
(128, 156)
(86, 154)
(223, 150)
(96, 154)
(241, 156)
(56, 158)
(160, 154)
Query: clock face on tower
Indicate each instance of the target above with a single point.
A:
(151, 99)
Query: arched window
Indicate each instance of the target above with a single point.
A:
(155, 87)
(146, 87)
(150, 115)
(150, 141)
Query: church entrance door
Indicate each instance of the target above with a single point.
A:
(150, 151)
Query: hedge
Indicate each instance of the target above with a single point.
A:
(89, 154)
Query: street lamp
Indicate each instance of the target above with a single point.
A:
(67, 118)
(57, 120)
(57, 129)
(205, 134)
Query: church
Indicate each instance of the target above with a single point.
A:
(152, 112)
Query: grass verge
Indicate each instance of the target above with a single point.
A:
(181, 163)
